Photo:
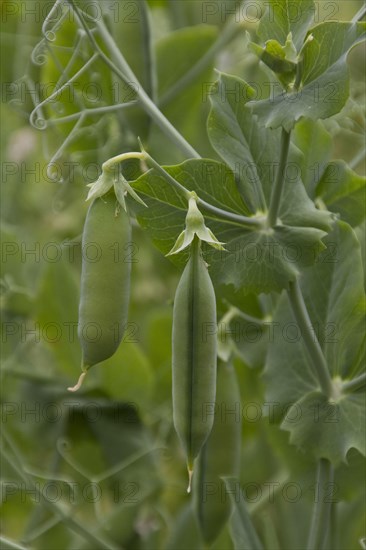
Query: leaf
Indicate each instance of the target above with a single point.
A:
(190, 14)
(330, 44)
(242, 529)
(247, 148)
(127, 375)
(328, 429)
(265, 262)
(343, 191)
(252, 153)
(187, 111)
(167, 209)
(258, 261)
(325, 82)
(349, 477)
(284, 16)
(57, 314)
(315, 143)
(334, 297)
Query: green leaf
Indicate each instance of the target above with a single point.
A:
(328, 429)
(343, 191)
(187, 111)
(325, 82)
(243, 531)
(190, 14)
(247, 148)
(265, 261)
(127, 375)
(167, 208)
(315, 143)
(284, 16)
(349, 477)
(335, 299)
(56, 311)
(330, 44)
(258, 261)
(252, 153)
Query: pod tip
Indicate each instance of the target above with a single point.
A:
(79, 383)
(190, 475)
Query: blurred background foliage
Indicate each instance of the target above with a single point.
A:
(116, 435)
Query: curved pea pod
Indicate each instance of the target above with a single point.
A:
(105, 281)
(220, 456)
(194, 355)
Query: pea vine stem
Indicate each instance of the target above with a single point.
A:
(322, 506)
(309, 337)
(280, 179)
(359, 15)
(110, 163)
(125, 73)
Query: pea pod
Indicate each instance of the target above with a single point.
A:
(220, 456)
(194, 355)
(105, 282)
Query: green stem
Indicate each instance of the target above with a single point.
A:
(110, 163)
(322, 505)
(146, 102)
(309, 337)
(251, 223)
(357, 383)
(124, 72)
(231, 30)
(333, 526)
(280, 180)
(359, 15)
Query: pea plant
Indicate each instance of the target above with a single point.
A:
(225, 140)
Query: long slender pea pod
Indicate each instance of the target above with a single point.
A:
(220, 456)
(194, 355)
(105, 281)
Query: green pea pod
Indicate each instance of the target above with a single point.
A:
(220, 456)
(194, 355)
(105, 282)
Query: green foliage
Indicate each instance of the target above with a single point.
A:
(283, 17)
(289, 217)
(324, 85)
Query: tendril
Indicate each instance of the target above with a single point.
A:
(38, 55)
